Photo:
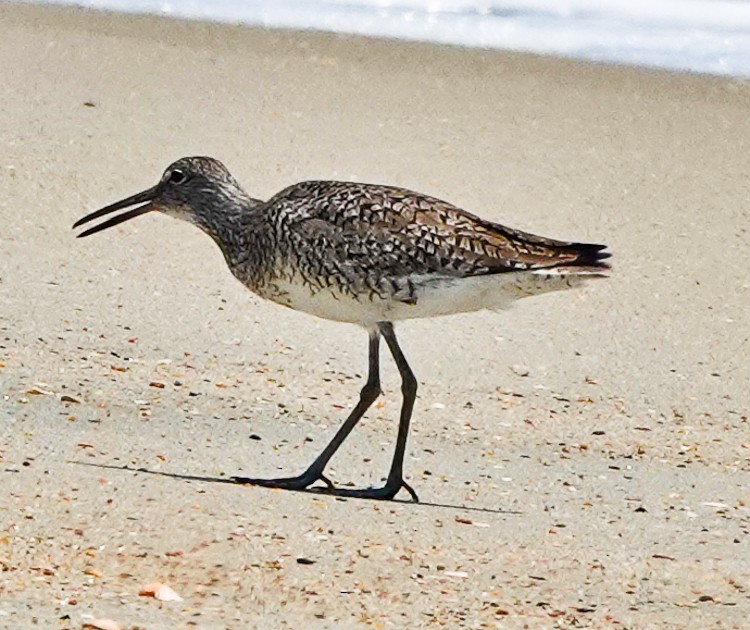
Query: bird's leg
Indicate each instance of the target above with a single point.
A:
(367, 396)
(395, 480)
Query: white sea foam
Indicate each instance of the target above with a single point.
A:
(710, 36)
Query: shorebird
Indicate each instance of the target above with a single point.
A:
(364, 254)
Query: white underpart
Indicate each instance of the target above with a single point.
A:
(436, 295)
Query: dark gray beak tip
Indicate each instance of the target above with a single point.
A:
(145, 196)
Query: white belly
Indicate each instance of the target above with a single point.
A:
(434, 296)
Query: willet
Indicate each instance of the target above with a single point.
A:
(365, 254)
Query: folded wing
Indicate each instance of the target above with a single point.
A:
(397, 231)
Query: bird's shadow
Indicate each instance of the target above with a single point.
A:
(320, 491)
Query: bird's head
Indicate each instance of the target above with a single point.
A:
(194, 189)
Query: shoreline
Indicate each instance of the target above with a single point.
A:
(707, 62)
(98, 18)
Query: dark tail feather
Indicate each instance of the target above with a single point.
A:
(589, 261)
(589, 255)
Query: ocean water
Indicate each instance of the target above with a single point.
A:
(709, 36)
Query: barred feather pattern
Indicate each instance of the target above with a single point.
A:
(379, 242)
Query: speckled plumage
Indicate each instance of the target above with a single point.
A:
(387, 248)
(362, 253)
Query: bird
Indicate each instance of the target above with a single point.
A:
(365, 254)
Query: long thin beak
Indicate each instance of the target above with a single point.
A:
(146, 195)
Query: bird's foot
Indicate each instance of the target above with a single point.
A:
(309, 477)
(386, 493)
(306, 479)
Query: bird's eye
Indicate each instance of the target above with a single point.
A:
(177, 176)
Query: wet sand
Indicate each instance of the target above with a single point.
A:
(583, 459)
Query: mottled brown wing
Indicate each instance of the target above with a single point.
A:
(421, 233)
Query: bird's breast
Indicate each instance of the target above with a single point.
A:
(329, 302)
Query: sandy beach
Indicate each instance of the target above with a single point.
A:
(583, 459)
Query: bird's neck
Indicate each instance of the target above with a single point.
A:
(242, 232)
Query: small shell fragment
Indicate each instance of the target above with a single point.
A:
(101, 624)
(38, 391)
(160, 591)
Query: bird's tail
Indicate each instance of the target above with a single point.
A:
(589, 261)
